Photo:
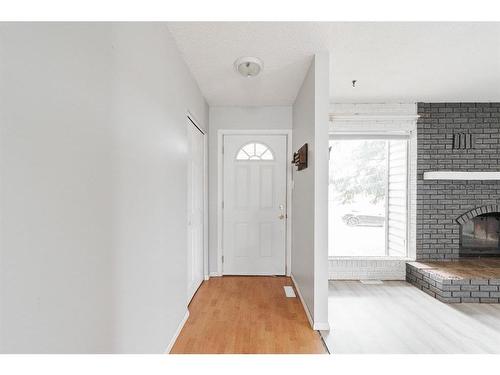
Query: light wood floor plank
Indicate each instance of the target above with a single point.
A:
(396, 317)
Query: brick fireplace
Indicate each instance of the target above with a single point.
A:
(458, 219)
(441, 204)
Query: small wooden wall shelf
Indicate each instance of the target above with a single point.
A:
(300, 158)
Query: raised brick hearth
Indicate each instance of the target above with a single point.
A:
(475, 280)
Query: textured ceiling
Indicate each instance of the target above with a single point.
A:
(392, 62)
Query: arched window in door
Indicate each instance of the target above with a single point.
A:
(254, 151)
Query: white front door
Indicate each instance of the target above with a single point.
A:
(195, 204)
(254, 204)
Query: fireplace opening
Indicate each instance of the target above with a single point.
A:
(479, 237)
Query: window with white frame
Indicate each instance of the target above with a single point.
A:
(368, 195)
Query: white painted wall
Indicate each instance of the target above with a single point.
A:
(55, 189)
(93, 150)
(310, 193)
(235, 118)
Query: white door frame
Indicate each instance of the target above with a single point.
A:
(220, 190)
(193, 120)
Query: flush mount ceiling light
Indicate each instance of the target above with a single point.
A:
(248, 66)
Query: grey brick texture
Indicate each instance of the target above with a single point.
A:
(458, 291)
(440, 203)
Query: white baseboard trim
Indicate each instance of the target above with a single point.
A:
(214, 274)
(308, 314)
(177, 332)
(321, 326)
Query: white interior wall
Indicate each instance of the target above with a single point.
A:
(310, 192)
(235, 118)
(56, 189)
(153, 92)
(93, 150)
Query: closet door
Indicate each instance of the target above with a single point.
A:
(195, 209)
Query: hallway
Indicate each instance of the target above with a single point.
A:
(244, 315)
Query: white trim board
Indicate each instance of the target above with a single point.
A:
(220, 183)
(461, 175)
(205, 194)
(177, 332)
(318, 326)
(374, 110)
(321, 326)
(367, 118)
(358, 117)
(306, 309)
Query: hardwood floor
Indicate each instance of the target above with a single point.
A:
(240, 314)
(396, 317)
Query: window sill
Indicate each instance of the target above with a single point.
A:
(406, 259)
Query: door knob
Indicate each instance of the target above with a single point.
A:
(282, 209)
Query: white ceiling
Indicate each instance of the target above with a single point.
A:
(392, 62)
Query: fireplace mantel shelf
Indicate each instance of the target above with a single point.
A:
(461, 175)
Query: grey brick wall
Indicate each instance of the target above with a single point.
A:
(439, 203)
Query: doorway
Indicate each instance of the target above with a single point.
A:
(254, 204)
(195, 207)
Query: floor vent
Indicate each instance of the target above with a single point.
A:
(371, 282)
(289, 292)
